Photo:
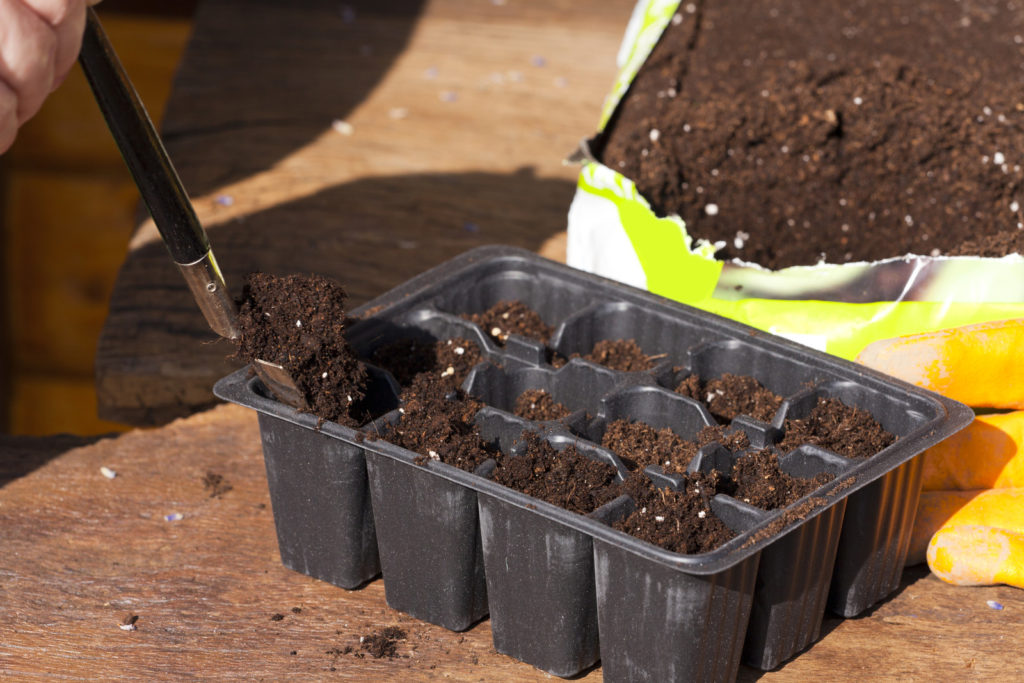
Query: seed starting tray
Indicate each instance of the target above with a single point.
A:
(565, 590)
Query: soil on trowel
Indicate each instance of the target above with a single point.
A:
(731, 395)
(638, 444)
(796, 131)
(299, 322)
(624, 355)
(537, 404)
(835, 426)
(511, 317)
(566, 477)
(759, 480)
(446, 361)
(680, 521)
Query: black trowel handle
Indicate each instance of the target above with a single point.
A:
(155, 177)
(141, 148)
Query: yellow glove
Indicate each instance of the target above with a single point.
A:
(970, 521)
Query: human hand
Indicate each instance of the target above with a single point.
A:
(39, 41)
(970, 521)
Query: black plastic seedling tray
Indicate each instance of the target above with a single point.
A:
(564, 590)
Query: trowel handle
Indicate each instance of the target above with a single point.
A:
(158, 182)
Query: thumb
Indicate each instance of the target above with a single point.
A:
(976, 364)
(977, 556)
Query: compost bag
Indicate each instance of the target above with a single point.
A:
(838, 307)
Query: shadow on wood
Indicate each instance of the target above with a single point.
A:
(304, 78)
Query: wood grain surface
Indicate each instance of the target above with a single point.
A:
(81, 553)
(365, 141)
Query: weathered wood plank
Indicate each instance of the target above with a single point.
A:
(461, 115)
(82, 552)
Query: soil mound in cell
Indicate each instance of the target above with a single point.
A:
(760, 481)
(537, 404)
(511, 317)
(731, 395)
(446, 361)
(680, 521)
(299, 322)
(846, 430)
(566, 478)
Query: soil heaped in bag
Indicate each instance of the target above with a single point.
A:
(299, 322)
(797, 131)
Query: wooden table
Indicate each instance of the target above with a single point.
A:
(366, 144)
(356, 142)
(81, 553)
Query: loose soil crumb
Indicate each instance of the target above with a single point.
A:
(299, 322)
(379, 644)
(731, 395)
(511, 317)
(216, 484)
(680, 521)
(842, 429)
(383, 643)
(537, 404)
(796, 131)
(566, 478)
(409, 360)
(760, 481)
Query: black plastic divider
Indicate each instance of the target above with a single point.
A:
(660, 336)
(447, 538)
(578, 386)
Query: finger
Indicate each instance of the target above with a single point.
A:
(67, 17)
(69, 43)
(28, 47)
(976, 364)
(8, 117)
(977, 556)
(988, 453)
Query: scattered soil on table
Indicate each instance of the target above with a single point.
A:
(731, 395)
(299, 322)
(638, 444)
(537, 404)
(413, 360)
(624, 355)
(216, 484)
(383, 643)
(380, 644)
(797, 131)
(511, 317)
(680, 521)
(842, 429)
(760, 481)
(566, 478)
